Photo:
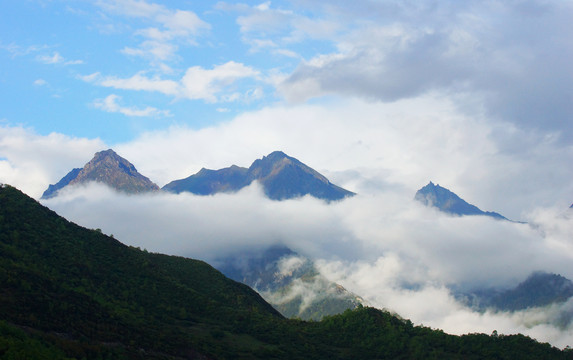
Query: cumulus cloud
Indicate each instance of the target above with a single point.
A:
(172, 27)
(31, 161)
(265, 26)
(511, 55)
(210, 85)
(199, 83)
(110, 104)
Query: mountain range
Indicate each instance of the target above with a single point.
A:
(67, 292)
(443, 199)
(281, 176)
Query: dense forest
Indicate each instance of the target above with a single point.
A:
(67, 292)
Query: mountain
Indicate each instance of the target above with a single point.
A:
(289, 282)
(108, 168)
(281, 176)
(67, 292)
(207, 182)
(538, 290)
(447, 201)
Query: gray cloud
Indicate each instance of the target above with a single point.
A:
(513, 56)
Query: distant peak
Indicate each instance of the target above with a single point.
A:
(104, 153)
(276, 155)
(108, 151)
(447, 201)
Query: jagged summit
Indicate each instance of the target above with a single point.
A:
(282, 177)
(439, 197)
(108, 168)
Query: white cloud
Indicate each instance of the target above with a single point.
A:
(199, 83)
(138, 82)
(110, 104)
(56, 58)
(172, 27)
(210, 85)
(264, 26)
(31, 161)
(40, 82)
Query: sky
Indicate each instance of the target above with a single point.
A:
(379, 96)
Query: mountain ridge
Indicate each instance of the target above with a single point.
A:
(281, 176)
(539, 289)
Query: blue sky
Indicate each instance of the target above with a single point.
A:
(380, 96)
(114, 69)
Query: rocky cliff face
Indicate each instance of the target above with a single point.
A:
(108, 168)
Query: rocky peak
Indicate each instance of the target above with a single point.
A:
(108, 168)
(439, 197)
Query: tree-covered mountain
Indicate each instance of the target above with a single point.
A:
(281, 176)
(447, 201)
(67, 292)
(108, 168)
(539, 289)
(288, 281)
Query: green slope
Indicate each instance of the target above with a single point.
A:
(69, 292)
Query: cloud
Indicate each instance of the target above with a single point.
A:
(199, 83)
(40, 82)
(489, 50)
(210, 85)
(172, 27)
(110, 104)
(264, 26)
(56, 58)
(18, 50)
(31, 161)
(140, 82)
